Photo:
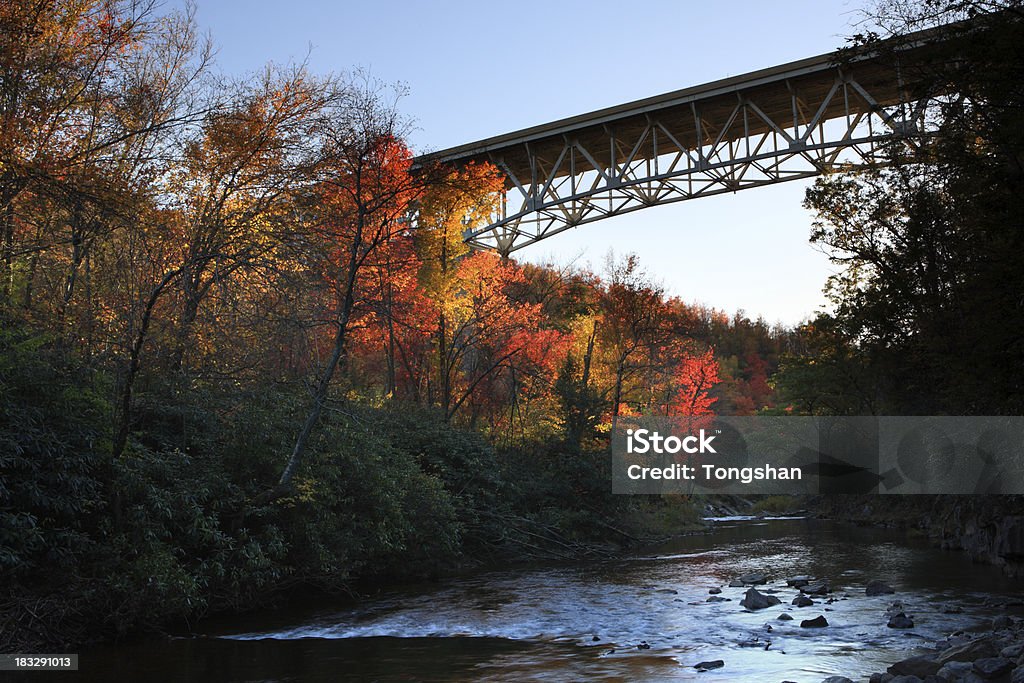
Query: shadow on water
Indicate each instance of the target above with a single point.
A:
(595, 621)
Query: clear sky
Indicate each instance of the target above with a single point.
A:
(477, 69)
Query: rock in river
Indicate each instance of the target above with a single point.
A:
(802, 601)
(878, 588)
(1012, 651)
(954, 671)
(798, 581)
(817, 622)
(714, 591)
(900, 620)
(921, 666)
(713, 664)
(992, 667)
(978, 648)
(784, 617)
(820, 588)
(754, 579)
(754, 599)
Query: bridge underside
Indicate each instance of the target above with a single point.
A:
(785, 123)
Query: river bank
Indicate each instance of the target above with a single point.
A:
(989, 528)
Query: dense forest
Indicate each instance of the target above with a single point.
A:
(244, 349)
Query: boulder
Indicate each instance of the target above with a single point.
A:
(900, 620)
(754, 599)
(880, 678)
(991, 668)
(735, 583)
(954, 671)
(798, 581)
(837, 679)
(979, 648)
(784, 617)
(754, 579)
(718, 598)
(714, 591)
(878, 588)
(802, 601)
(817, 622)
(919, 666)
(820, 588)
(1012, 651)
(712, 664)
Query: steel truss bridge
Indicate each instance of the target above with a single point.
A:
(787, 122)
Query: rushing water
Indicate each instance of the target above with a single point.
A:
(585, 622)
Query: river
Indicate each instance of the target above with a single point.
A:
(586, 622)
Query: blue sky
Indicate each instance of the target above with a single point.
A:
(477, 69)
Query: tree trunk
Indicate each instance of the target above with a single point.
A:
(7, 248)
(337, 354)
(444, 377)
(124, 403)
(589, 356)
(617, 396)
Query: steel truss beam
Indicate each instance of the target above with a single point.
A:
(652, 167)
(785, 123)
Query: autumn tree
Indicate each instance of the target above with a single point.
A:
(92, 92)
(241, 180)
(464, 199)
(396, 322)
(361, 205)
(97, 94)
(693, 381)
(632, 324)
